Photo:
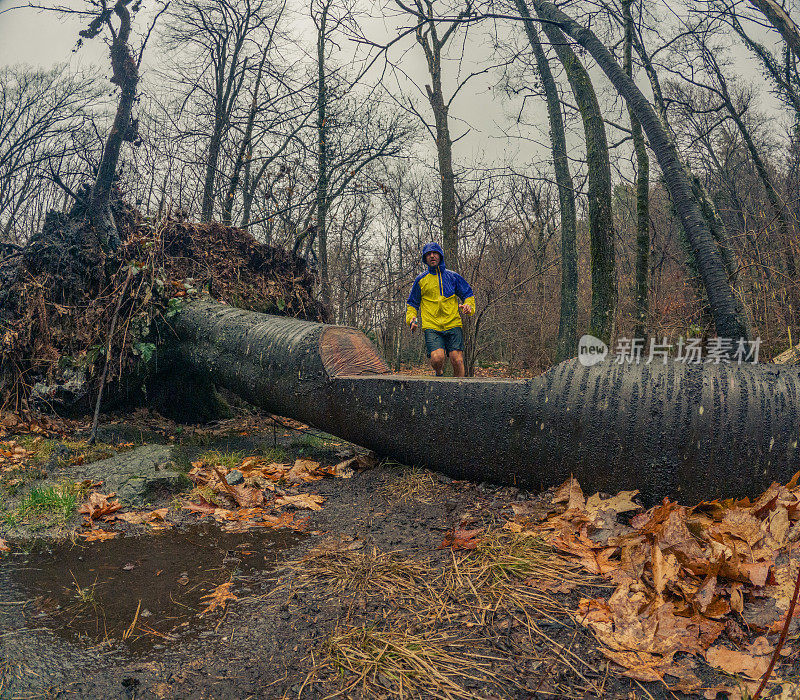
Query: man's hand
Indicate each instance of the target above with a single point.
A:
(413, 325)
(465, 309)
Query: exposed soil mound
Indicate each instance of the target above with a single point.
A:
(58, 296)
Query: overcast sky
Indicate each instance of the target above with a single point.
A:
(44, 38)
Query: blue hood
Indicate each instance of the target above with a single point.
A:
(433, 248)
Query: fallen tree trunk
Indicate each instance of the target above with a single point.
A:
(687, 431)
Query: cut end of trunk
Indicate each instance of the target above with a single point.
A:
(347, 352)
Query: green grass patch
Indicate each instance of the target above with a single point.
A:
(13, 482)
(39, 448)
(50, 504)
(308, 445)
(275, 454)
(79, 451)
(218, 458)
(209, 495)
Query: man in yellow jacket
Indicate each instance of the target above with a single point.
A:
(434, 299)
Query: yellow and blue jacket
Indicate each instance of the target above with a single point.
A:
(435, 294)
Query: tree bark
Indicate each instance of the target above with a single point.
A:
(774, 198)
(568, 318)
(784, 86)
(228, 80)
(444, 153)
(126, 76)
(214, 146)
(432, 45)
(322, 161)
(642, 193)
(641, 430)
(601, 217)
(779, 18)
(244, 154)
(724, 308)
(707, 207)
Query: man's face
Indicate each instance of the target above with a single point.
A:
(433, 259)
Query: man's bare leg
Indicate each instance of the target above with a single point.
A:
(437, 361)
(457, 361)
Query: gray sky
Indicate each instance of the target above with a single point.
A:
(41, 38)
(44, 38)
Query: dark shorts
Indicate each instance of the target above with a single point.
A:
(449, 340)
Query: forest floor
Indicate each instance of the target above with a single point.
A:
(284, 563)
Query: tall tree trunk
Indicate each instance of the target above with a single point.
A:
(775, 200)
(782, 81)
(126, 76)
(568, 319)
(228, 86)
(322, 161)
(244, 154)
(779, 18)
(601, 218)
(724, 308)
(708, 209)
(248, 193)
(214, 146)
(444, 152)
(433, 43)
(642, 193)
(444, 145)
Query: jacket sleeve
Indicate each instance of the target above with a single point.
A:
(414, 300)
(465, 293)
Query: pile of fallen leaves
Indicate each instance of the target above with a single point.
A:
(26, 422)
(57, 300)
(712, 582)
(12, 456)
(105, 508)
(255, 493)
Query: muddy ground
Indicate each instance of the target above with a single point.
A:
(362, 600)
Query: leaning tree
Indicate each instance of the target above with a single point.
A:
(728, 318)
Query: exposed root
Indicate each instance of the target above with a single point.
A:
(57, 299)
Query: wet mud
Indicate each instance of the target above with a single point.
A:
(143, 593)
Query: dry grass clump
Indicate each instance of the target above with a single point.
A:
(368, 571)
(411, 484)
(402, 663)
(504, 560)
(479, 621)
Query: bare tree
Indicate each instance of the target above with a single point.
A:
(125, 75)
(642, 190)
(601, 220)
(41, 115)
(433, 35)
(212, 42)
(725, 310)
(352, 131)
(568, 318)
(783, 23)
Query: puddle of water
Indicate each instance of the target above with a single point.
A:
(94, 590)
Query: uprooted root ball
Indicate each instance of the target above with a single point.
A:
(59, 295)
